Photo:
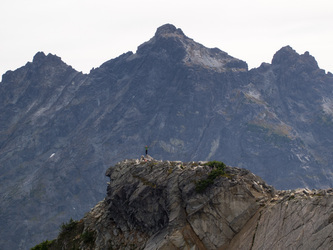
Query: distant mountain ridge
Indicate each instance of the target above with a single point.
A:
(61, 129)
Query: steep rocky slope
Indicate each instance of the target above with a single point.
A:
(156, 205)
(60, 129)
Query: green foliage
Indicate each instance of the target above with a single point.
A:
(71, 235)
(43, 246)
(88, 237)
(68, 227)
(216, 164)
(201, 185)
(216, 172)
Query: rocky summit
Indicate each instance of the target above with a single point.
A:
(60, 129)
(161, 205)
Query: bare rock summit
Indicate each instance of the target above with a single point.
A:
(156, 205)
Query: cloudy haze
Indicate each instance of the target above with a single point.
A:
(86, 33)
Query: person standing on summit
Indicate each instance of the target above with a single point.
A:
(146, 147)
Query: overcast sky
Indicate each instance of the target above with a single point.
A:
(86, 33)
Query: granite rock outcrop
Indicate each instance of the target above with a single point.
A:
(155, 205)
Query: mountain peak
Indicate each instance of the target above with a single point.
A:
(41, 58)
(171, 42)
(168, 29)
(287, 56)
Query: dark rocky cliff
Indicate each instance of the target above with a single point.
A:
(60, 129)
(157, 205)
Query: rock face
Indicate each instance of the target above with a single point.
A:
(294, 220)
(59, 129)
(155, 205)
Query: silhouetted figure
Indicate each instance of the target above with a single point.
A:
(146, 150)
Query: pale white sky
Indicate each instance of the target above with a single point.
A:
(86, 33)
